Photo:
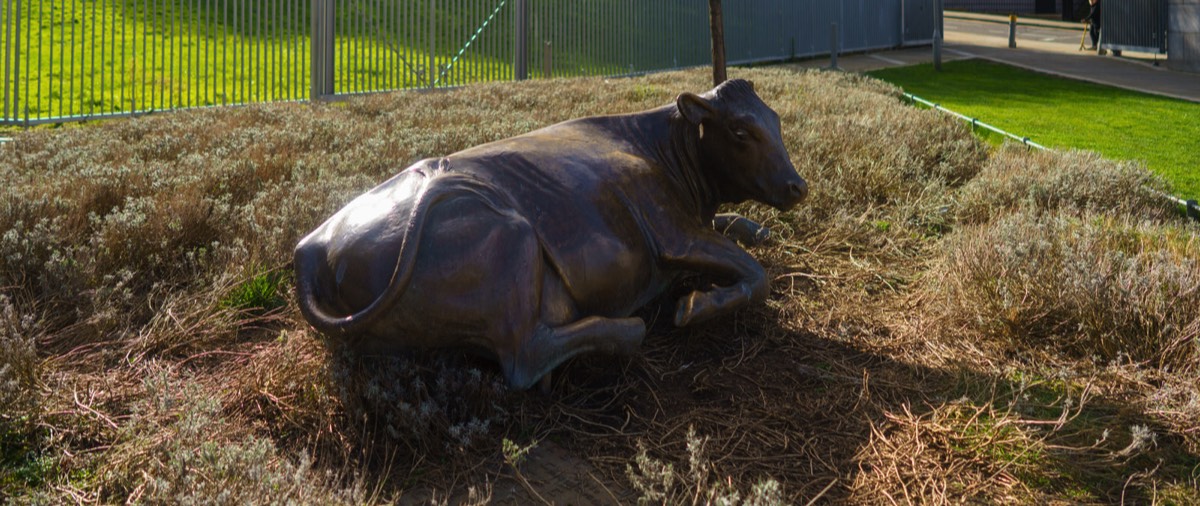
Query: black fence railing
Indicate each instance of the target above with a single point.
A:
(74, 60)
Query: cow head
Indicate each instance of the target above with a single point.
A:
(739, 146)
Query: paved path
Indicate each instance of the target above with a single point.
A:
(1048, 46)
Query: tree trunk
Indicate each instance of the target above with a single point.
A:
(717, 24)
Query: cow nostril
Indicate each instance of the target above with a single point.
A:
(799, 191)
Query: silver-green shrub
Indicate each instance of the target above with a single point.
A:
(19, 364)
(1096, 285)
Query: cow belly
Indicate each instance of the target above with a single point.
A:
(476, 280)
(604, 262)
(483, 277)
(605, 275)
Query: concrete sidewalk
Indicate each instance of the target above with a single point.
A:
(1021, 20)
(1048, 47)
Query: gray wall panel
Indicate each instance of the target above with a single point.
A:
(1183, 35)
(918, 20)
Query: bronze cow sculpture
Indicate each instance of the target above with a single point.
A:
(539, 247)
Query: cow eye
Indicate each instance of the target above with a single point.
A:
(741, 134)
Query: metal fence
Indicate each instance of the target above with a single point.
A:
(63, 60)
(1134, 25)
(517, 39)
(76, 59)
(765, 30)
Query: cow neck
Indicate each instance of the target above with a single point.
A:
(684, 168)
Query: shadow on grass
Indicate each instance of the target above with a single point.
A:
(820, 416)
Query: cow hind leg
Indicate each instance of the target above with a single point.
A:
(526, 306)
(521, 299)
(549, 347)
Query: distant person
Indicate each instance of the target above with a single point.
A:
(1093, 19)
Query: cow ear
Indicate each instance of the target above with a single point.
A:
(693, 108)
(751, 83)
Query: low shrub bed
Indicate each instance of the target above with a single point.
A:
(948, 322)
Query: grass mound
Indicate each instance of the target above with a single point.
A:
(947, 322)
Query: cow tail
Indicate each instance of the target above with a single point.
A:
(308, 260)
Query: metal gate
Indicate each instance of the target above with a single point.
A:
(1134, 25)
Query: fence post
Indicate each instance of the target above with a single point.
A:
(8, 87)
(834, 43)
(322, 50)
(938, 34)
(716, 25)
(521, 44)
(1012, 31)
(435, 69)
(941, 17)
(16, 79)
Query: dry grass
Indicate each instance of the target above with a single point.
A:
(947, 324)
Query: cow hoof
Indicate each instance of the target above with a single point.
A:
(740, 229)
(685, 309)
(761, 237)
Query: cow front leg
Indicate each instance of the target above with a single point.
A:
(741, 229)
(744, 280)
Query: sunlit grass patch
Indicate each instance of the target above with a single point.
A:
(1028, 439)
(1064, 113)
(264, 291)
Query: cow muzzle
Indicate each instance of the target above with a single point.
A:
(797, 192)
(794, 191)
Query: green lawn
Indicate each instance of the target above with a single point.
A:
(1063, 113)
